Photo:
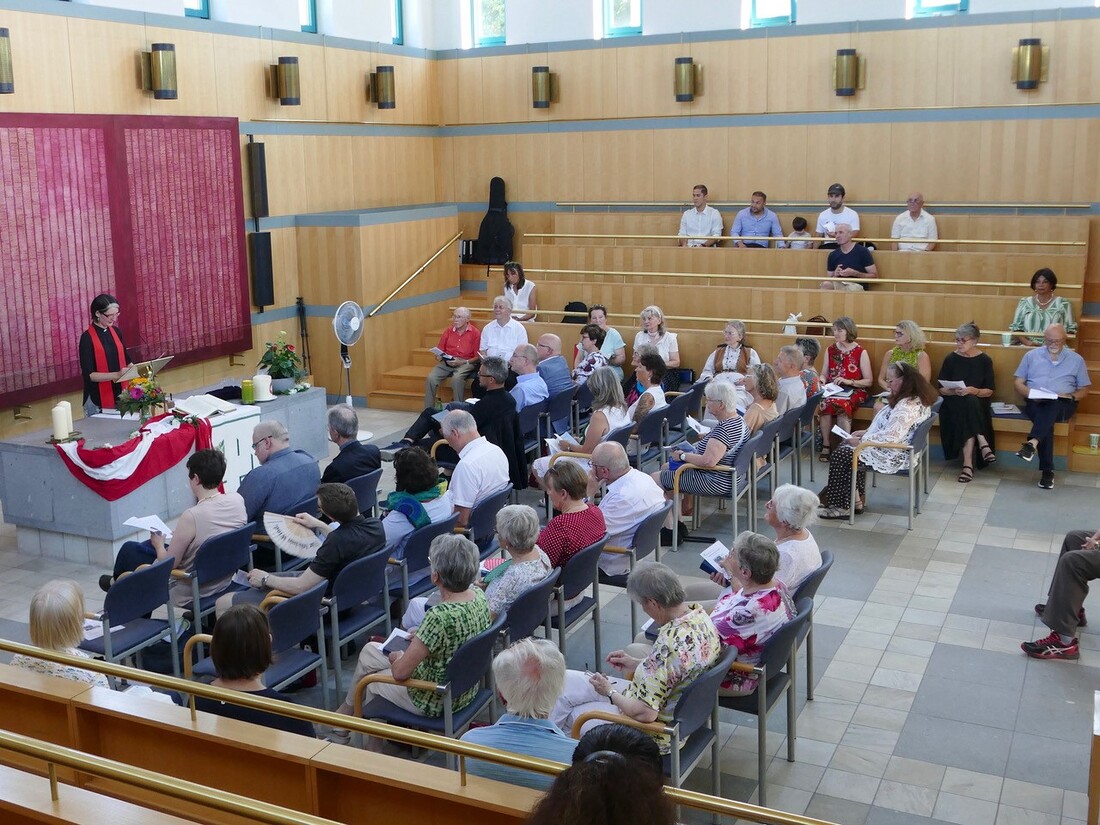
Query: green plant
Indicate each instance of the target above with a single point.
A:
(281, 360)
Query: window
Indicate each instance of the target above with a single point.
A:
(928, 8)
(197, 8)
(488, 22)
(307, 15)
(769, 13)
(622, 17)
(398, 22)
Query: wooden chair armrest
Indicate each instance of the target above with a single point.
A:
(261, 537)
(742, 667)
(181, 574)
(272, 599)
(395, 562)
(197, 639)
(568, 454)
(892, 445)
(97, 615)
(622, 551)
(684, 468)
(621, 718)
(674, 393)
(387, 679)
(436, 446)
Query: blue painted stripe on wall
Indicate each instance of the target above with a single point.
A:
(1090, 308)
(474, 286)
(376, 217)
(251, 127)
(274, 314)
(328, 310)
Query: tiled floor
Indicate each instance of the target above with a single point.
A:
(925, 709)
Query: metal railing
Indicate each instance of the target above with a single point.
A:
(428, 741)
(1016, 242)
(412, 277)
(683, 205)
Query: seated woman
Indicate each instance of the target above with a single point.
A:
(653, 332)
(590, 357)
(908, 404)
(630, 385)
(613, 346)
(650, 372)
(579, 523)
(1037, 312)
(762, 386)
(461, 614)
(57, 623)
(731, 361)
(810, 350)
(848, 366)
(686, 646)
(909, 347)
(419, 500)
(617, 778)
(966, 417)
(214, 513)
(520, 292)
(241, 652)
(608, 413)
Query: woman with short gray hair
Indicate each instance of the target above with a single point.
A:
(686, 646)
(788, 513)
(517, 532)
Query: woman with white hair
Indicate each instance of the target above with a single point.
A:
(731, 359)
(57, 624)
(529, 676)
(527, 565)
(654, 332)
(789, 513)
(718, 448)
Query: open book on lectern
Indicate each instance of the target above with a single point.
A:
(146, 369)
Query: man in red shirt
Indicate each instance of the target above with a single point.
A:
(457, 356)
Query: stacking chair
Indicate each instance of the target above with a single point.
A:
(579, 574)
(651, 437)
(768, 450)
(359, 601)
(468, 668)
(741, 469)
(788, 437)
(807, 590)
(131, 598)
(365, 488)
(415, 558)
(482, 524)
(217, 557)
(530, 426)
(807, 432)
(306, 505)
(647, 539)
(620, 435)
(531, 608)
(675, 413)
(559, 408)
(691, 734)
(776, 673)
(917, 451)
(582, 408)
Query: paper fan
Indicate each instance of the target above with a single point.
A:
(290, 536)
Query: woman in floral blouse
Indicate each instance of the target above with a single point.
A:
(57, 624)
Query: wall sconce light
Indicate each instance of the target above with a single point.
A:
(849, 72)
(544, 87)
(380, 87)
(285, 82)
(1030, 62)
(684, 79)
(7, 79)
(158, 71)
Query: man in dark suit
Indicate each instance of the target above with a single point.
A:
(354, 459)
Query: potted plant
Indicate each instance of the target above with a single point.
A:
(281, 361)
(141, 395)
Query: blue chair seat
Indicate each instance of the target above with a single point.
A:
(134, 633)
(394, 715)
(204, 668)
(772, 691)
(575, 612)
(206, 603)
(290, 664)
(355, 619)
(617, 580)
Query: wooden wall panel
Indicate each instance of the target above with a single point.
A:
(645, 80)
(773, 160)
(935, 159)
(684, 159)
(725, 89)
(983, 64)
(800, 73)
(589, 84)
(346, 89)
(1075, 61)
(105, 69)
(469, 80)
(506, 88)
(195, 71)
(240, 83)
(549, 167)
(905, 69)
(619, 165)
(40, 47)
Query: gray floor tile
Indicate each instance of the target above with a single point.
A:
(885, 816)
(992, 706)
(962, 782)
(1046, 761)
(981, 667)
(832, 809)
(964, 810)
(1016, 793)
(911, 799)
(914, 772)
(958, 744)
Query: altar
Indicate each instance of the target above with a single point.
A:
(57, 516)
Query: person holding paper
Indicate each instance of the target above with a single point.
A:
(909, 403)
(456, 354)
(214, 513)
(613, 346)
(1050, 370)
(966, 420)
(847, 365)
(103, 356)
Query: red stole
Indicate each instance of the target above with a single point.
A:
(104, 388)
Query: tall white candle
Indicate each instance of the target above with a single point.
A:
(57, 417)
(68, 415)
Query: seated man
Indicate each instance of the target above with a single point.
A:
(848, 260)
(353, 537)
(482, 467)
(284, 477)
(354, 459)
(555, 371)
(459, 345)
(788, 367)
(530, 387)
(631, 496)
(499, 339)
(701, 225)
(1064, 611)
(529, 676)
(1058, 370)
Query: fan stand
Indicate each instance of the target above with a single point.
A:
(346, 358)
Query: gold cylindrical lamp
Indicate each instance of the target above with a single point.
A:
(846, 72)
(1028, 65)
(162, 71)
(540, 87)
(685, 79)
(383, 88)
(7, 78)
(287, 82)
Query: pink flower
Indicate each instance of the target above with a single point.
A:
(135, 393)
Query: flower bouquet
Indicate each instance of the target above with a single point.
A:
(141, 396)
(281, 360)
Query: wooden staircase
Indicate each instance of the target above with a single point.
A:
(1081, 458)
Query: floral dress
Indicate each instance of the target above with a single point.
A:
(839, 364)
(746, 623)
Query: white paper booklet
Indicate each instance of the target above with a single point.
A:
(714, 556)
(1041, 394)
(702, 429)
(151, 523)
(836, 391)
(438, 353)
(953, 385)
(844, 434)
(562, 443)
(1002, 408)
(204, 406)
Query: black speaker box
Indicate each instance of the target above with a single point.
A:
(263, 282)
(257, 179)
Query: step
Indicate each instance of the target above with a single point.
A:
(396, 400)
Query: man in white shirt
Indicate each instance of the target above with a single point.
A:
(792, 392)
(914, 222)
(631, 496)
(482, 467)
(702, 220)
(837, 213)
(502, 335)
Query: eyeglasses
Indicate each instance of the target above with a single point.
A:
(261, 441)
(110, 314)
(484, 375)
(962, 340)
(542, 346)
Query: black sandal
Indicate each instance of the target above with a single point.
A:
(823, 456)
(988, 456)
(967, 474)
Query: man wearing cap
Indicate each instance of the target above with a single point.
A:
(836, 213)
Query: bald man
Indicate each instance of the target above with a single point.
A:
(555, 371)
(915, 223)
(284, 477)
(457, 357)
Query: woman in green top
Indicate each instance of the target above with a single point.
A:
(1037, 312)
(909, 344)
(461, 614)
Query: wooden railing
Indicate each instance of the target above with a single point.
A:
(756, 239)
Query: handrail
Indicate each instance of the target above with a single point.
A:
(243, 806)
(757, 239)
(817, 204)
(409, 280)
(782, 322)
(430, 741)
(820, 277)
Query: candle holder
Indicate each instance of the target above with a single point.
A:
(75, 435)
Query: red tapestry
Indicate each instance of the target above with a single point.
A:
(149, 209)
